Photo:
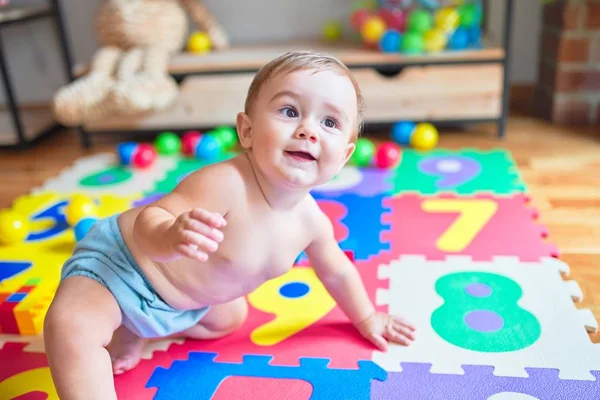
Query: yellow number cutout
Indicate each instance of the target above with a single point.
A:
(298, 299)
(34, 380)
(474, 215)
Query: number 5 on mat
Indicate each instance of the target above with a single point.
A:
(473, 216)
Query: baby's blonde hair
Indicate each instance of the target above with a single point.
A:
(303, 60)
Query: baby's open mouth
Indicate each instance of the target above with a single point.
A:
(300, 155)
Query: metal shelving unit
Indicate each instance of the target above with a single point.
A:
(28, 125)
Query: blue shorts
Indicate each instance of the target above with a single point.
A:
(102, 255)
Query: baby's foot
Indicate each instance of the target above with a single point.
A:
(125, 350)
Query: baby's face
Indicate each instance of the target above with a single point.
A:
(302, 123)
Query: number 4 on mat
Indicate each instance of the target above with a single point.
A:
(473, 216)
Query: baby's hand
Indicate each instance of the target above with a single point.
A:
(380, 326)
(195, 233)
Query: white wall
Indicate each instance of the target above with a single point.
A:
(34, 58)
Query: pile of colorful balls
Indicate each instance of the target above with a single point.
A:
(415, 27)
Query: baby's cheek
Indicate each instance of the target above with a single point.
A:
(336, 212)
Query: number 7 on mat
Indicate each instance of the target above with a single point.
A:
(474, 215)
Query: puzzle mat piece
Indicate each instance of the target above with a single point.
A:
(363, 221)
(415, 382)
(481, 226)
(25, 373)
(102, 174)
(464, 171)
(183, 166)
(364, 182)
(262, 388)
(198, 377)
(26, 295)
(48, 227)
(516, 315)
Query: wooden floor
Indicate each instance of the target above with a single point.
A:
(561, 167)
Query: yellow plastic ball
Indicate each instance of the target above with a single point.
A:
(13, 227)
(199, 42)
(79, 207)
(425, 136)
(332, 31)
(434, 40)
(373, 29)
(447, 19)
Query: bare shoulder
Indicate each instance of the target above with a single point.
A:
(211, 187)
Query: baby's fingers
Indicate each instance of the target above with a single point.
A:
(203, 229)
(191, 251)
(404, 330)
(202, 242)
(209, 218)
(378, 341)
(399, 337)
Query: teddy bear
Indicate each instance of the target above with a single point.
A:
(128, 74)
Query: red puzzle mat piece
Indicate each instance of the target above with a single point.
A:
(480, 226)
(247, 388)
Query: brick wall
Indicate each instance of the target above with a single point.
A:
(568, 85)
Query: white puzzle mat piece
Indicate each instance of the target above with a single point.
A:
(102, 174)
(502, 313)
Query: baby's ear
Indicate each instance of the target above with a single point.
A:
(244, 130)
(350, 147)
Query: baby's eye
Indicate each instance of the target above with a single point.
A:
(330, 122)
(289, 112)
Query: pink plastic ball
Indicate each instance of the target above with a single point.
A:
(387, 155)
(144, 156)
(189, 141)
(394, 18)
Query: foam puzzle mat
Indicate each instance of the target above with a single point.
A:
(448, 239)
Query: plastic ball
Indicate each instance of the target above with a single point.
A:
(189, 141)
(402, 132)
(434, 40)
(208, 148)
(144, 156)
(83, 227)
(419, 21)
(425, 136)
(460, 39)
(227, 136)
(363, 153)
(358, 18)
(332, 31)
(198, 42)
(125, 152)
(373, 29)
(167, 143)
(447, 19)
(387, 155)
(470, 15)
(80, 206)
(394, 18)
(474, 34)
(390, 41)
(13, 227)
(412, 43)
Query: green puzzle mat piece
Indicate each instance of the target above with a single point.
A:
(464, 171)
(184, 167)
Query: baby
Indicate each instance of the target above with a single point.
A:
(184, 264)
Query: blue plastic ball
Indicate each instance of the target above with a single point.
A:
(402, 132)
(125, 152)
(208, 148)
(390, 41)
(475, 37)
(460, 39)
(82, 227)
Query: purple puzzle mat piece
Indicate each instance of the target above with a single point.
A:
(415, 382)
(364, 182)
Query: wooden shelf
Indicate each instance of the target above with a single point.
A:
(252, 57)
(35, 122)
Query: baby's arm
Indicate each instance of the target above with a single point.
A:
(343, 282)
(186, 221)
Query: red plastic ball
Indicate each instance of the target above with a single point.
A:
(189, 141)
(387, 155)
(358, 17)
(144, 156)
(394, 19)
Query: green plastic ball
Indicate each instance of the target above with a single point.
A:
(470, 15)
(412, 43)
(419, 21)
(363, 154)
(167, 143)
(227, 137)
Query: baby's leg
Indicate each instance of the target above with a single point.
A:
(79, 324)
(220, 320)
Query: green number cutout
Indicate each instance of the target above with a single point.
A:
(480, 312)
(106, 177)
